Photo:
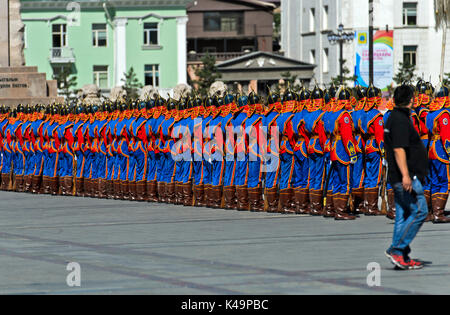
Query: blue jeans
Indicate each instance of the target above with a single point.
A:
(411, 212)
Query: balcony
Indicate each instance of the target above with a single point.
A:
(62, 55)
(220, 56)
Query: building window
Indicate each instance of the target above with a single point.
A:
(410, 55)
(151, 73)
(312, 20)
(325, 18)
(312, 56)
(99, 35)
(59, 35)
(151, 34)
(325, 61)
(409, 14)
(101, 77)
(223, 22)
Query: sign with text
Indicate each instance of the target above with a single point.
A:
(383, 58)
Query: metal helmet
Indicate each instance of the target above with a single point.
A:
(344, 94)
(242, 101)
(317, 93)
(443, 91)
(253, 98)
(305, 95)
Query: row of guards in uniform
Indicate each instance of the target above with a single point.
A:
(316, 152)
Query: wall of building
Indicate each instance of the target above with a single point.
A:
(298, 41)
(38, 36)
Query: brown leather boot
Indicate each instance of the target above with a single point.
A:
(132, 192)
(371, 196)
(187, 193)
(54, 186)
(27, 183)
(79, 192)
(170, 192)
(286, 199)
(152, 194)
(255, 199)
(242, 198)
(229, 193)
(95, 186)
(329, 211)
(216, 196)
(391, 204)
(109, 189)
(198, 195)
(178, 193)
(125, 186)
(358, 200)
(301, 200)
(438, 202)
(161, 192)
(46, 184)
(427, 195)
(141, 191)
(117, 189)
(35, 183)
(6, 182)
(103, 189)
(271, 195)
(207, 195)
(19, 183)
(87, 189)
(2, 183)
(69, 185)
(340, 203)
(316, 204)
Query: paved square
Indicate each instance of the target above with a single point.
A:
(142, 248)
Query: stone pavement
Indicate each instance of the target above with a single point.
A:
(142, 248)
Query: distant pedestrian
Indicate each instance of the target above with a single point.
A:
(408, 167)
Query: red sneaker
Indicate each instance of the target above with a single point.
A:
(414, 264)
(399, 261)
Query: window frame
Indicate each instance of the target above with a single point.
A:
(312, 20)
(62, 33)
(95, 34)
(408, 6)
(147, 34)
(156, 69)
(229, 18)
(96, 76)
(412, 52)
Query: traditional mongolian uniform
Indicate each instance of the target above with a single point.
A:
(343, 153)
(301, 162)
(316, 150)
(438, 123)
(372, 125)
(271, 156)
(254, 137)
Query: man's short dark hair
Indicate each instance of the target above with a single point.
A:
(403, 95)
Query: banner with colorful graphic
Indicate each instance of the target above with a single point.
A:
(383, 58)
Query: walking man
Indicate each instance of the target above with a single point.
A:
(408, 168)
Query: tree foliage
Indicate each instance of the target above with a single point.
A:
(405, 73)
(66, 82)
(207, 74)
(132, 84)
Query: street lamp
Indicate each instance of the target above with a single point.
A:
(340, 38)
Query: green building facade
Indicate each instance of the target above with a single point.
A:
(101, 40)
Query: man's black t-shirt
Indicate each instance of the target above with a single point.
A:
(399, 132)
